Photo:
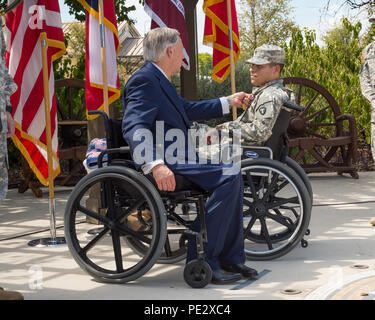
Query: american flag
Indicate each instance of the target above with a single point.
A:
(170, 13)
(23, 56)
(94, 74)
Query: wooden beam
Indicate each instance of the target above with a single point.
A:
(189, 77)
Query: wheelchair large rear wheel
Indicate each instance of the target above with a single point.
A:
(124, 195)
(302, 174)
(174, 250)
(277, 209)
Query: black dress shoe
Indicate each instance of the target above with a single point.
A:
(246, 271)
(221, 277)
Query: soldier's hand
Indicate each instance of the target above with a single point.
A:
(164, 177)
(11, 125)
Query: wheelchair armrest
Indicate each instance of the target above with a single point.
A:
(109, 151)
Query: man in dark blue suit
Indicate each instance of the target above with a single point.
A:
(154, 113)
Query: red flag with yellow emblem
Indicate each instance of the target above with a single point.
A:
(216, 34)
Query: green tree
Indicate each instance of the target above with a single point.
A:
(205, 64)
(335, 66)
(76, 9)
(122, 10)
(263, 21)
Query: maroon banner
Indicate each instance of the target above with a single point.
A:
(171, 14)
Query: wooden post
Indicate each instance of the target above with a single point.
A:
(189, 77)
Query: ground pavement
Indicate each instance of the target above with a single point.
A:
(339, 262)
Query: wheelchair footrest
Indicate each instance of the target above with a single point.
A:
(191, 233)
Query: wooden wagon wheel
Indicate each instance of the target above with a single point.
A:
(318, 139)
(71, 112)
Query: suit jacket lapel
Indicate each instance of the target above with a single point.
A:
(171, 93)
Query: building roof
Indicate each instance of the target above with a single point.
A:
(131, 47)
(131, 42)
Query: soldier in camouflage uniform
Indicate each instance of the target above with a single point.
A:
(367, 78)
(269, 95)
(7, 87)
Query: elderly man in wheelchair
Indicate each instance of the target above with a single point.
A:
(260, 211)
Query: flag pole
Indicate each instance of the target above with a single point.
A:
(53, 241)
(104, 56)
(232, 65)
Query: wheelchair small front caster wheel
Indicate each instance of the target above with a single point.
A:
(304, 243)
(197, 273)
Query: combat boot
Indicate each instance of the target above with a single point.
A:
(10, 295)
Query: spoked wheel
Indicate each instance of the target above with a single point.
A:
(197, 273)
(317, 137)
(277, 209)
(175, 247)
(122, 193)
(302, 174)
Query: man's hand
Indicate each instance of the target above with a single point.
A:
(164, 177)
(11, 125)
(240, 98)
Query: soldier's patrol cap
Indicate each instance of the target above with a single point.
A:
(266, 54)
(372, 17)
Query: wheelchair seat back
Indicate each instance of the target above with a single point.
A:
(116, 140)
(276, 147)
(278, 141)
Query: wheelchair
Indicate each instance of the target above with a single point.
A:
(142, 226)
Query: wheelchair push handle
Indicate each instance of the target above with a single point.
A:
(98, 112)
(294, 106)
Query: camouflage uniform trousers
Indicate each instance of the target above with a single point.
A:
(7, 88)
(373, 134)
(367, 79)
(3, 166)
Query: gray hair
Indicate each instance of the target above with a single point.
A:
(157, 41)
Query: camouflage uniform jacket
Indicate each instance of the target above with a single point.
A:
(7, 87)
(257, 121)
(367, 73)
